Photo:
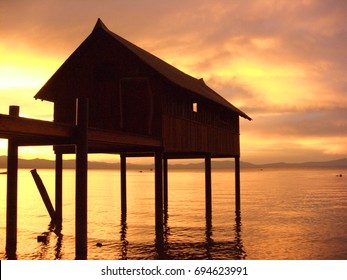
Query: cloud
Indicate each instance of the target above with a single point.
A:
(285, 151)
(282, 62)
(302, 124)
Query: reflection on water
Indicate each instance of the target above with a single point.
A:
(10, 254)
(286, 214)
(163, 249)
(44, 242)
(166, 250)
(123, 236)
(185, 234)
(209, 249)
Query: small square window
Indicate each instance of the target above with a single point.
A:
(195, 107)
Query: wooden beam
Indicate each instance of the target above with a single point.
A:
(139, 154)
(35, 132)
(184, 155)
(109, 137)
(31, 132)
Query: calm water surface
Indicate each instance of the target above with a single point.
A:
(286, 214)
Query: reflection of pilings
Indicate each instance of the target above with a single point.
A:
(12, 193)
(123, 236)
(45, 239)
(59, 244)
(81, 178)
(241, 254)
(209, 240)
(166, 227)
(123, 190)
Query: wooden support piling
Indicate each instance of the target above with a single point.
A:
(59, 188)
(12, 193)
(165, 184)
(81, 179)
(237, 186)
(44, 194)
(159, 194)
(208, 189)
(123, 183)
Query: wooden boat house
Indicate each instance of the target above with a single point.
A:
(113, 97)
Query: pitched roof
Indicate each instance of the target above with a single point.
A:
(174, 75)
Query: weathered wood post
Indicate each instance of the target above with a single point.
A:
(208, 189)
(59, 188)
(44, 194)
(159, 195)
(12, 192)
(165, 184)
(237, 185)
(81, 178)
(123, 185)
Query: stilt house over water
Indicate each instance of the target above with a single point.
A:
(133, 91)
(111, 96)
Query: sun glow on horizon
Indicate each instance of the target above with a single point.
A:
(24, 69)
(280, 63)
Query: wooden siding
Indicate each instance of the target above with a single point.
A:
(182, 135)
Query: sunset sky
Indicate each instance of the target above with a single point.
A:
(283, 63)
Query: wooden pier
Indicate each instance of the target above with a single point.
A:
(120, 99)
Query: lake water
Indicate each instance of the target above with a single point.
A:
(285, 214)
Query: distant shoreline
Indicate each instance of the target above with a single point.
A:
(226, 164)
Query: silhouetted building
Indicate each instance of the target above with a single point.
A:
(133, 91)
(111, 96)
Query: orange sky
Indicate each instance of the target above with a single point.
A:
(283, 63)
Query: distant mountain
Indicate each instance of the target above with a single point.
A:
(226, 164)
(332, 163)
(68, 164)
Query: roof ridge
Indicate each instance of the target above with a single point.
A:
(99, 24)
